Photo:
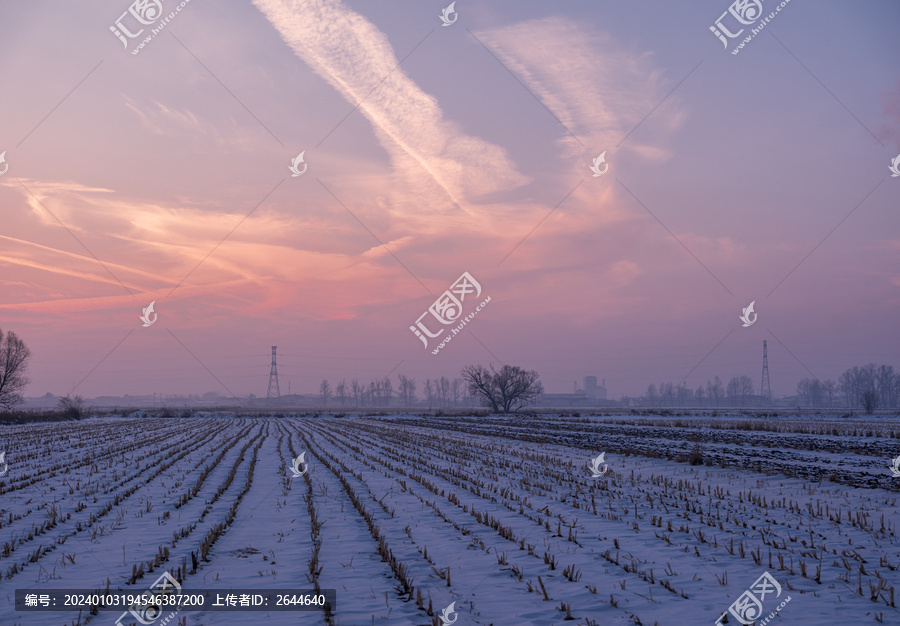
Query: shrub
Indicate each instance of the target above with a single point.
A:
(72, 407)
(696, 456)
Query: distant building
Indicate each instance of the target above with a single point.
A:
(591, 389)
(591, 395)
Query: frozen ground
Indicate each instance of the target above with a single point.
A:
(404, 514)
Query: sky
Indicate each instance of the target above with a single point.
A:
(161, 174)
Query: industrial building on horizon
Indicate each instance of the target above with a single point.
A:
(589, 395)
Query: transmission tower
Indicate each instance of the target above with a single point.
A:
(273, 392)
(765, 389)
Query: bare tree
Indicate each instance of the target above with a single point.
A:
(444, 390)
(848, 382)
(682, 394)
(869, 400)
(388, 390)
(738, 388)
(457, 388)
(746, 388)
(505, 391)
(667, 394)
(651, 394)
(803, 390)
(325, 392)
(861, 384)
(72, 406)
(714, 389)
(829, 388)
(812, 391)
(407, 390)
(341, 391)
(887, 389)
(733, 390)
(356, 390)
(14, 355)
(698, 393)
(429, 391)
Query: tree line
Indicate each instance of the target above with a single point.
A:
(438, 393)
(736, 392)
(505, 390)
(868, 387)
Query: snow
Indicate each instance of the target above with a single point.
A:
(486, 512)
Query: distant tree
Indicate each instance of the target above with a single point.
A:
(698, 393)
(803, 390)
(746, 388)
(682, 394)
(388, 389)
(356, 390)
(885, 383)
(869, 400)
(714, 389)
(407, 390)
(667, 394)
(507, 390)
(848, 385)
(817, 392)
(429, 391)
(325, 392)
(857, 382)
(829, 388)
(733, 390)
(868, 380)
(72, 406)
(14, 355)
(651, 394)
(341, 391)
(457, 388)
(444, 390)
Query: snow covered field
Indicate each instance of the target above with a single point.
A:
(404, 515)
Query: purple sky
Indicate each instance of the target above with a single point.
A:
(761, 176)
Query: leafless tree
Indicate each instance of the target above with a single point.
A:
(72, 406)
(325, 392)
(848, 383)
(733, 389)
(746, 388)
(869, 400)
(429, 391)
(885, 385)
(388, 389)
(407, 390)
(861, 384)
(682, 394)
(714, 389)
(356, 390)
(698, 393)
(666, 394)
(812, 391)
(341, 391)
(651, 394)
(457, 388)
(14, 355)
(829, 388)
(507, 390)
